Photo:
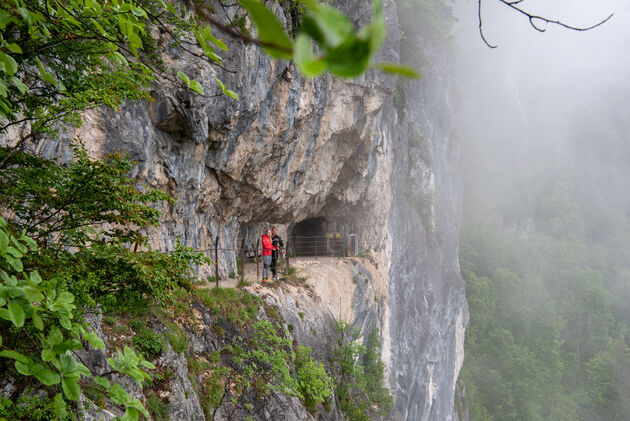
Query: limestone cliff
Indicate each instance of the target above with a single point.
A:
(293, 150)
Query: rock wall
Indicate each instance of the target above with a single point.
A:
(292, 149)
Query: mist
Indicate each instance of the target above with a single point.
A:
(543, 121)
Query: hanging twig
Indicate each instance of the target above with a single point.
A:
(535, 20)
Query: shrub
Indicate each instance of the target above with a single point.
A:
(35, 307)
(61, 207)
(235, 305)
(359, 375)
(314, 384)
(150, 343)
(28, 407)
(159, 410)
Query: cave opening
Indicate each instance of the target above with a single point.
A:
(317, 236)
(308, 238)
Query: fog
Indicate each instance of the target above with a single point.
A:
(544, 125)
(519, 100)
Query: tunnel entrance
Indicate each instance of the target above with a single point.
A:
(317, 237)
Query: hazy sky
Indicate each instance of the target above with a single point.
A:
(521, 98)
(559, 62)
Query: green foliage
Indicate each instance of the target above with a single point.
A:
(34, 306)
(236, 305)
(359, 375)
(149, 343)
(59, 57)
(158, 409)
(29, 407)
(58, 205)
(178, 340)
(314, 384)
(343, 51)
(92, 208)
(543, 341)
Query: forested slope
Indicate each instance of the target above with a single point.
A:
(546, 259)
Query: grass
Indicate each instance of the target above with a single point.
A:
(159, 410)
(236, 305)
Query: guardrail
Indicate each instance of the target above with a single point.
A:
(331, 245)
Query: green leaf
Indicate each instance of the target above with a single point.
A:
(55, 337)
(46, 76)
(119, 395)
(226, 91)
(35, 278)
(147, 364)
(349, 59)
(220, 83)
(23, 369)
(102, 381)
(71, 389)
(15, 242)
(308, 65)
(14, 252)
(326, 25)
(16, 313)
(14, 48)
(209, 37)
(65, 298)
(10, 65)
(0, 340)
(270, 31)
(37, 321)
(48, 354)
(4, 88)
(398, 69)
(45, 375)
(4, 313)
(183, 77)
(196, 86)
(375, 32)
(59, 407)
(119, 58)
(94, 340)
(131, 414)
(231, 94)
(15, 263)
(29, 241)
(33, 295)
(4, 240)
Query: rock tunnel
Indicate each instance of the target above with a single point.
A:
(317, 237)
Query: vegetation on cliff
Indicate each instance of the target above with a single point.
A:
(70, 250)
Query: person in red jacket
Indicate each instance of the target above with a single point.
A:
(267, 249)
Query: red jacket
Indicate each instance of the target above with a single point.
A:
(267, 246)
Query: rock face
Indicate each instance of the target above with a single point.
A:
(291, 150)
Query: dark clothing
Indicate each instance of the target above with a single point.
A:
(277, 244)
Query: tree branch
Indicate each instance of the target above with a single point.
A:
(536, 21)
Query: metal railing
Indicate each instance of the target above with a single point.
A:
(331, 245)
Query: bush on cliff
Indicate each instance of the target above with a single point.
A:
(360, 375)
(87, 217)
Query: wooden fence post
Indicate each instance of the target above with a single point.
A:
(286, 253)
(216, 260)
(257, 263)
(243, 260)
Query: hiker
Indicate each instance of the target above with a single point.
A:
(277, 244)
(267, 248)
